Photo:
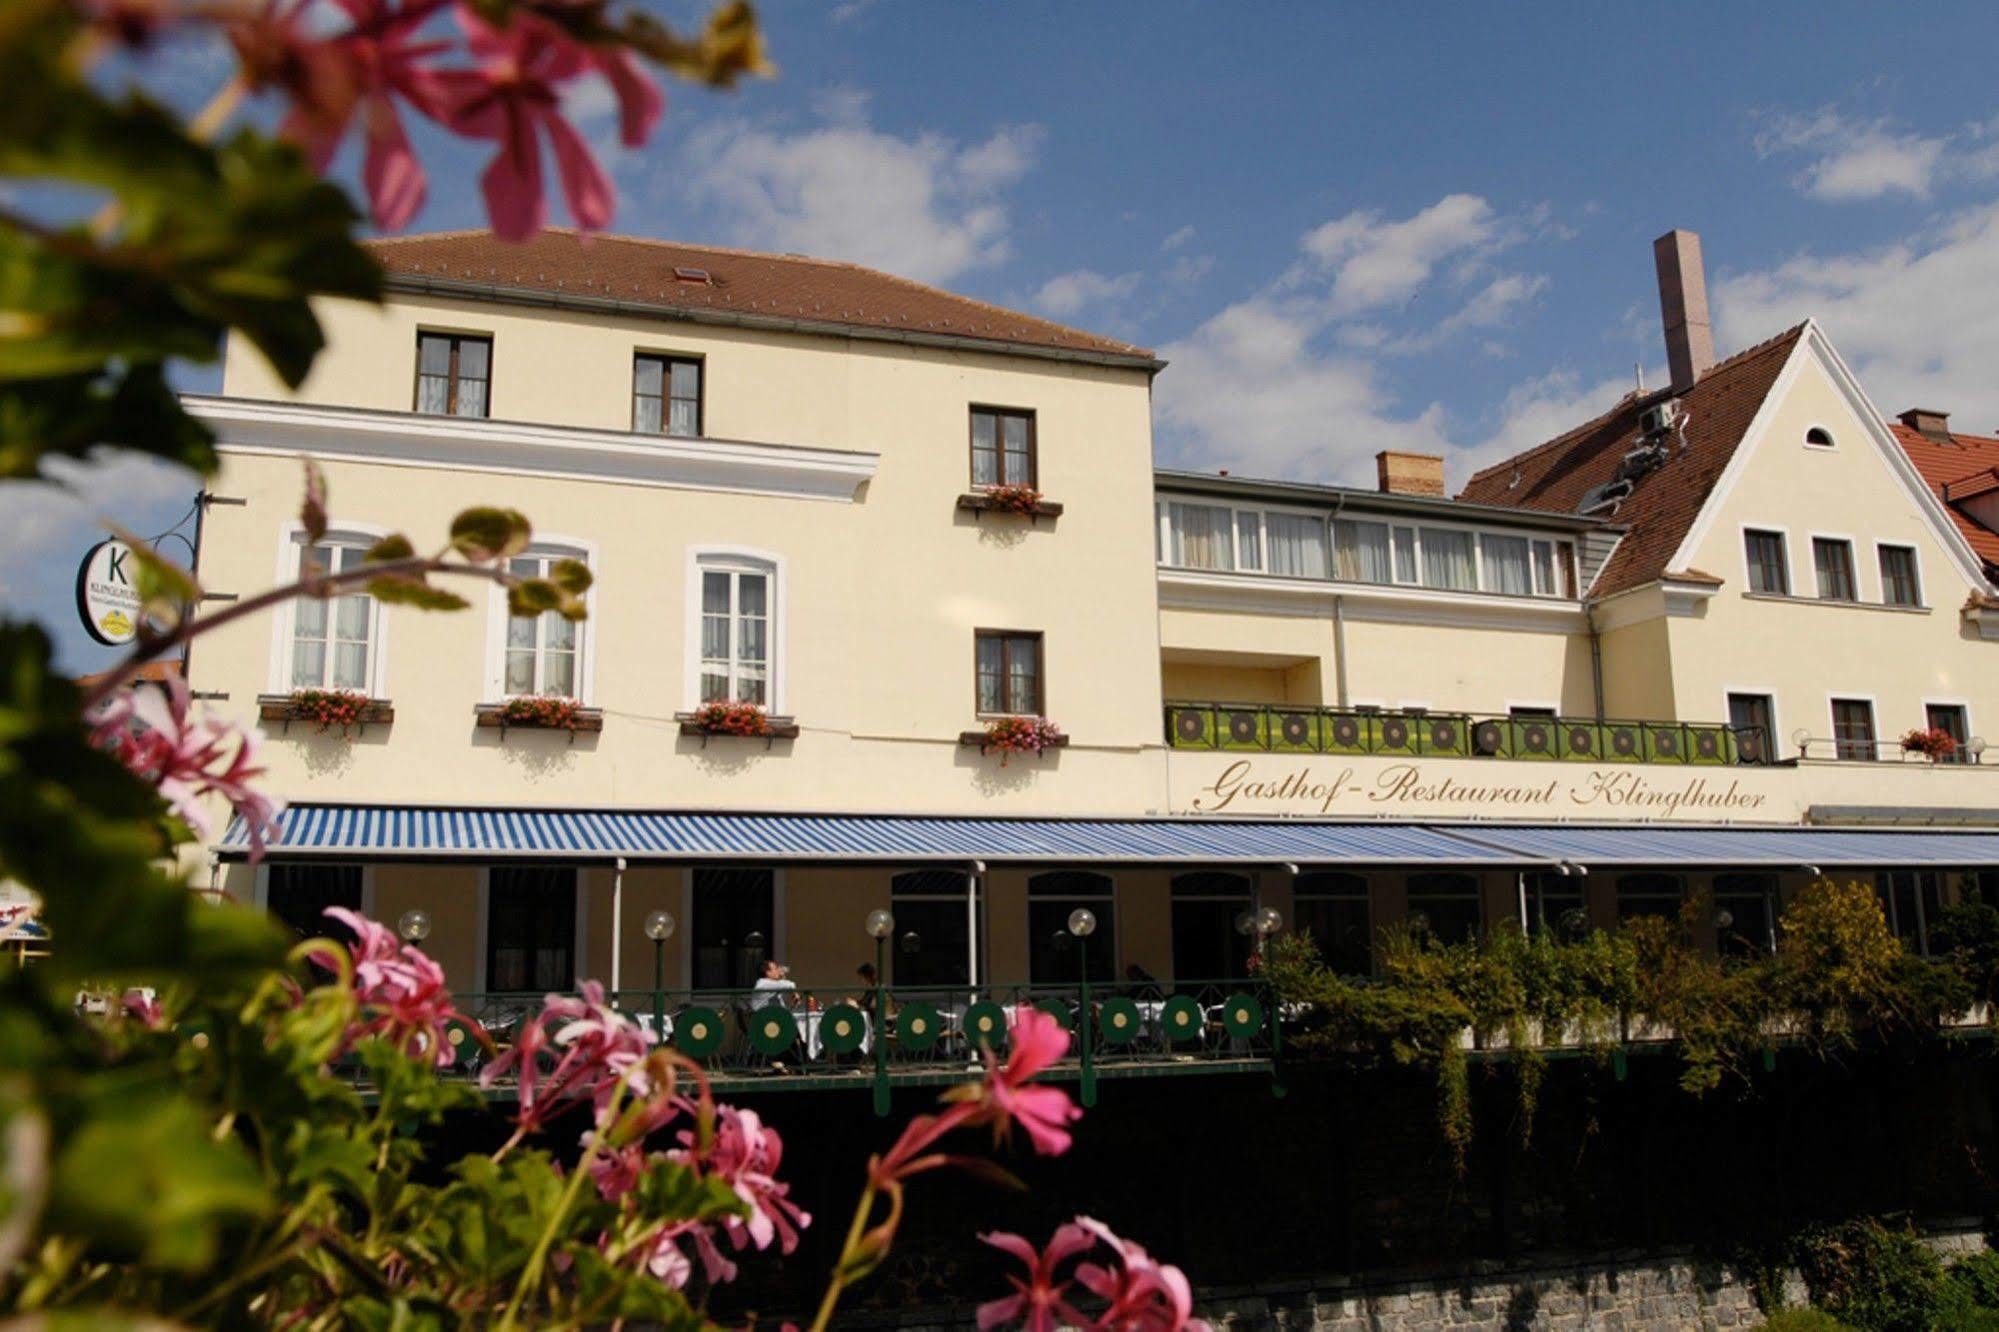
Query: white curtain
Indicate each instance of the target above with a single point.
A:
(1405, 555)
(1447, 560)
(1297, 546)
(1360, 551)
(1505, 559)
(1200, 536)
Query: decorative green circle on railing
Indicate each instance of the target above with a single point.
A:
(772, 1030)
(697, 1031)
(917, 1026)
(1058, 1010)
(462, 1038)
(1242, 1016)
(842, 1028)
(985, 1025)
(1182, 1018)
(1118, 1020)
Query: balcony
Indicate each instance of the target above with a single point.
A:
(1264, 728)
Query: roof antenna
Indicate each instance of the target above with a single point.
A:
(1638, 369)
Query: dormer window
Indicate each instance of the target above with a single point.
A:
(1818, 437)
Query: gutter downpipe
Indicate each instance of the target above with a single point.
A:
(1595, 656)
(617, 926)
(1339, 619)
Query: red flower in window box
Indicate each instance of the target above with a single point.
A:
(1933, 744)
(732, 719)
(1022, 735)
(329, 708)
(1023, 500)
(550, 711)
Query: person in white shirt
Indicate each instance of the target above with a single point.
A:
(773, 985)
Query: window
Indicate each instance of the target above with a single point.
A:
(1207, 946)
(1333, 908)
(736, 610)
(1852, 728)
(1833, 559)
(1899, 586)
(453, 374)
(1002, 447)
(1505, 562)
(544, 652)
(1555, 905)
(932, 928)
(1745, 914)
(1526, 711)
(1754, 715)
(1950, 719)
(1249, 538)
(1819, 437)
(1447, 905)
(1406, 569)
(1448, 560)
(1297, 545)
(1769, 568)
(1360, 551)
(530, 927)
(734, 920)
(298, 895)
(1051, 950)
(1198, 536)
(1554, 569)
(1911, 900)
(1009, 672)
(666, 395)
(332, 639)
(1649, 894)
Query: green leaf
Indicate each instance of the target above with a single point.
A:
(312, 510)
(143, 1174)
(572, 576)
(129, 406)
(485, 533)
(408, 590)
(390, 548)
(532, 596)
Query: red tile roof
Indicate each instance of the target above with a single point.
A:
(739, 286)
(1557, 476)
(1957, 469)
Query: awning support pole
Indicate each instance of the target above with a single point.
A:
(978, 868)
(617, 928)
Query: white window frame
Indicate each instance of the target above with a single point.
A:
(1779, 742)
(743, 559)
(1237, 512)
(292, 545)
(482, 941)
(1961, 704)
(497, 616)
(1922, 601)
(1749, 587)
(1873, 718)
(1852, 563)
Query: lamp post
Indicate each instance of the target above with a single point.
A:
(414, 925)
(659, 928)
(1082, 924)
(880, 925)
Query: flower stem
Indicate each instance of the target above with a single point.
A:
(837, 1282)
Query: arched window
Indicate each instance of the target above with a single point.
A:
(1649, 894)
(541, 654)
(1556, 905)
(1447, 904)
(1333, 908)
(1052, 957)
(1818, 437)
(1206, 944)
(1745, 914)
(933, 933)
(335, 642)
(737, 631)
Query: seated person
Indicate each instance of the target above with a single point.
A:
(773, 986)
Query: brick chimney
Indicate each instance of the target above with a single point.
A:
(1409, 473)
(1936, 425)
(1683, 307)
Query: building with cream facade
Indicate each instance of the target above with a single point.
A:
(1671, 654)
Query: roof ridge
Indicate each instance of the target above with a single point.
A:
(1628, 399)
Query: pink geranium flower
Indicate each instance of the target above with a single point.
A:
(379, 60)
(1140, 1293)
(513, 97)
(401, 991)
(594, 1047)
(1008, 1096)
(745, 1154)
(1037, 1302)
(186, 758)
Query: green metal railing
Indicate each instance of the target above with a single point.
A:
(1260, 727)
(810, 1039)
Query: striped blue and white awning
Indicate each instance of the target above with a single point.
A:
(408, 832)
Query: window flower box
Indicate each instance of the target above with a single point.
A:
(1934, 744)
(326, 709)
(540, 712)
(1025, 501)
(1015, 735)
(745, 720)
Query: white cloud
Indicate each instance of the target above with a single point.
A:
(1376, 263)
(925, 207)
(1855, 159)
(1490, 307)
(1915, 319)
(1177, 239)
(49, 526)
(1189, 268)
(1065, 295)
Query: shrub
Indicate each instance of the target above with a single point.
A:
(1803, 1320)
(1877, 1276)
(1968, 935)
(1974, 1281)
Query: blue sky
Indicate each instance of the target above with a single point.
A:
(1347, 227)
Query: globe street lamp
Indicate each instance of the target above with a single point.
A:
(659, 928)
(414, 925)
(1082, 924)
(880, 927)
